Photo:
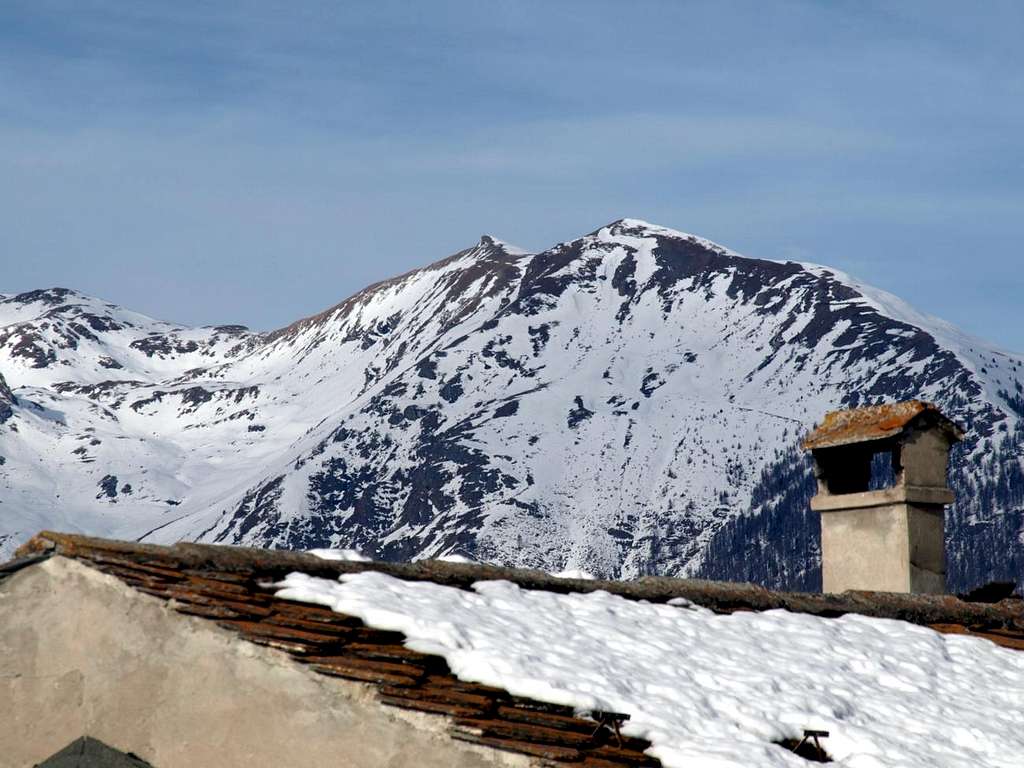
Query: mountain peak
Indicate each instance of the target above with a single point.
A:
(632, 227)
(628, 222)
(638, 228)
(50, 296)
(490, 241)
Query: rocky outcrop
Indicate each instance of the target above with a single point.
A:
(7, 400)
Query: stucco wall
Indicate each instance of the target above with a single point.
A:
(83, 654)
(865, 549)
(892, 548)
(926, 459)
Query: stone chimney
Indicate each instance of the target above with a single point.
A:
(882, 492)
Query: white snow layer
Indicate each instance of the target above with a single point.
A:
(711, 690)
(574, 573)
(344, 555)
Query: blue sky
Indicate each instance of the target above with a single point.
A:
(215, 162)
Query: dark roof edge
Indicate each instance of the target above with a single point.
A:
(15, 565)
(719, 596)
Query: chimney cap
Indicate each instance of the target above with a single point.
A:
(877, 422)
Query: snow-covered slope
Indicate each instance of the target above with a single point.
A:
(608, 404)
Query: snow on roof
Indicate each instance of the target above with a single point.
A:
(707, 689)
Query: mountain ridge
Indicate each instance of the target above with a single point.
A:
(610, 403)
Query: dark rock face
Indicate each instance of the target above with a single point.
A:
(163, 345)
(108, 487)
(28, 345)
(578, 413)
(50, 296)
(258, 508)
(63, 323)
(7, 401)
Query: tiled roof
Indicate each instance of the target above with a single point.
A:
(233, 587)
(875, 422)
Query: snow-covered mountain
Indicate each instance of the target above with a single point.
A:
(627, 402)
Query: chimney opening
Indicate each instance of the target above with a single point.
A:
(859, 468)
(885, 466)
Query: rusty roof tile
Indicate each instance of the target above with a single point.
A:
(875, 422)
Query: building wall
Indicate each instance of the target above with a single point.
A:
(83, 654)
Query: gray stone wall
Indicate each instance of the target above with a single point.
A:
(83, 654)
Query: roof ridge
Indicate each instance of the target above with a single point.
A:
(722, 597)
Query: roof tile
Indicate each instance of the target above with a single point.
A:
(875, 422)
